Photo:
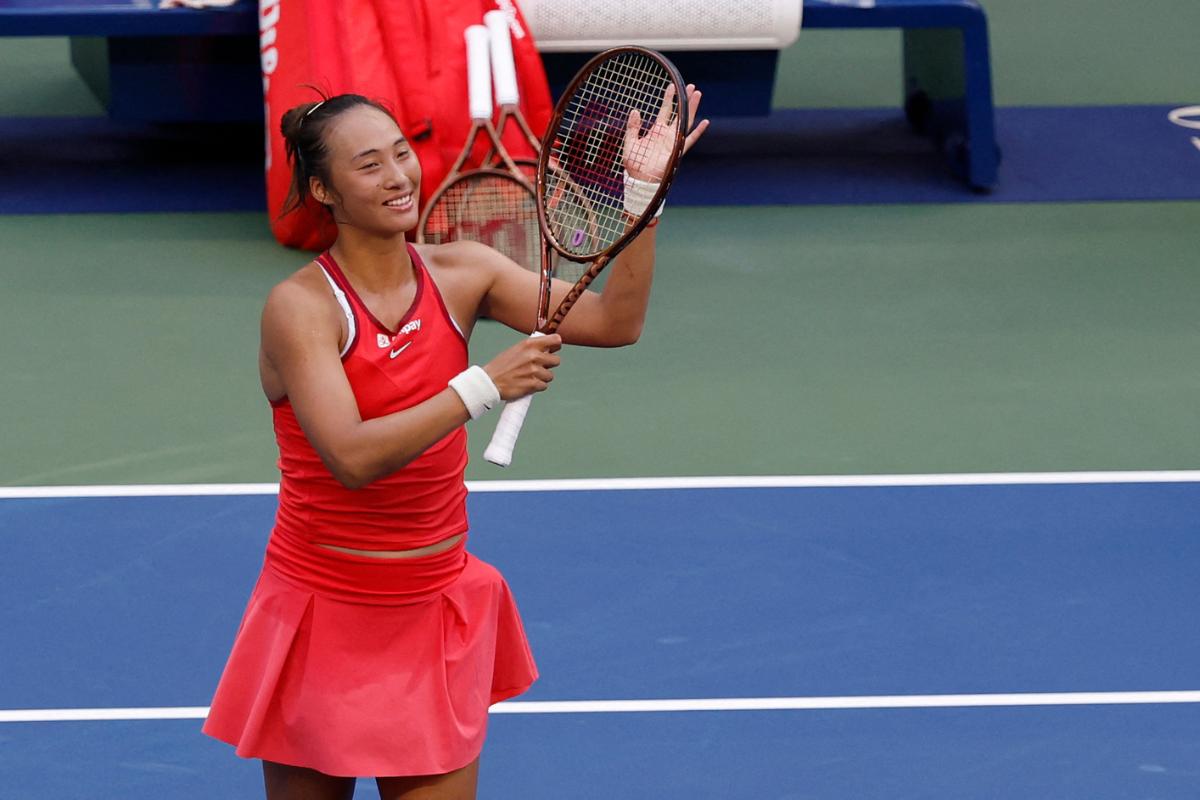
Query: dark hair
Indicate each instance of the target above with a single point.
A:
(303, 129)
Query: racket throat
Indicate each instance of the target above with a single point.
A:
(572, 296)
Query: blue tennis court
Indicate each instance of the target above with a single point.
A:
(932, 637)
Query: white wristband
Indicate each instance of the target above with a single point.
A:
(477, 391)
(638, 194)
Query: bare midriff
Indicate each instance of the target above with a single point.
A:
(428, 550)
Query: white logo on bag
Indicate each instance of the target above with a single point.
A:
(268, 19)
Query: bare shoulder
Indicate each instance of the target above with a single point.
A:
(464, 270)
(302, 301)
(458, 256)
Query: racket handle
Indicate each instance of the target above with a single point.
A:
(479, 73)
(504, 72)
(504, 439)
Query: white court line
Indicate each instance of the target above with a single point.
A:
(147, 490)
(612, 484)
(713, 704)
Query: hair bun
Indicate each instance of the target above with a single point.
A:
(293, 118)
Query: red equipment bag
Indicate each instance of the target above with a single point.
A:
(408, 54)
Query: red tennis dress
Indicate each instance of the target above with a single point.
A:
(363, 666)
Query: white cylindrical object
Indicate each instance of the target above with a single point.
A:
(588, 26)
(504, 72)
(479, 73)
(504, 439)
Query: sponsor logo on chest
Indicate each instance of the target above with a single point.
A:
(397, 344)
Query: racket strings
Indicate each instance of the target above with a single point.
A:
(489, 208)
(623, 88)
(603, 103)
(584, 188)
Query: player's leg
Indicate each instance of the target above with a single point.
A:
(457, 785)
(298, 783)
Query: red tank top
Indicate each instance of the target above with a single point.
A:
(389, 370)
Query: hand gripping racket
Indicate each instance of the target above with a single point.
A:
(492, 205)
(625, 112)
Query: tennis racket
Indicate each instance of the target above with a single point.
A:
(508, 97)
(624, 112)
(492, 205)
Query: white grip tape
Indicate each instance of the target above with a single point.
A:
(479, 73)
(504, 71)
(504, 439)
(639, 194)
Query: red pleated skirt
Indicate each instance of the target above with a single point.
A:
(379, 667)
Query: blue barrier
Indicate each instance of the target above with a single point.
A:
(947, 72)
(122, 18)
(151, 64)
(147, 64)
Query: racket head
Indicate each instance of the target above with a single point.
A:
(581, 166)
(488, 206)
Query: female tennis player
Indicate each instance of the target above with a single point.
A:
(374, 643)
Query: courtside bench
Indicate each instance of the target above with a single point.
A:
(152, 64)
(947, 73)
(947, 76)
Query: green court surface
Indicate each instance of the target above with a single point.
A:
(781, 341)
(1061, 53)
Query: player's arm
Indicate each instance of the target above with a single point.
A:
(300, 342)
(609, 318)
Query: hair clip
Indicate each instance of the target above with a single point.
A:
(310, 111)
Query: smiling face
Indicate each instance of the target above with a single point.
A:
(374, 176)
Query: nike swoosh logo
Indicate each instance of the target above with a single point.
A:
(395, 353)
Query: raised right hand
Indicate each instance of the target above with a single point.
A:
(525, 367)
